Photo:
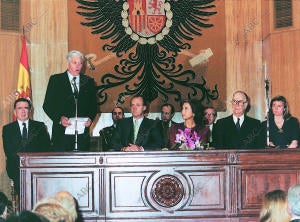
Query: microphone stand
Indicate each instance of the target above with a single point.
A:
(75, 93)
(76, 119)
(267, 87)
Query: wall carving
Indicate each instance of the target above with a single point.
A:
(147, 41)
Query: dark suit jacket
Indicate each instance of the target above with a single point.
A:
(165, 132)
(295, 220)
(38, 141)
(149, 135)
(59, 101)
(106, 135)
(226, 135)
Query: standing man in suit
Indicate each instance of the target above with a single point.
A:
(137, 133)
(293, 198)
(107, 132)
(23, 135)
(236, 130)
(63, 90)
(167, 113)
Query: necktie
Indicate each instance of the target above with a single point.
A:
(238, 126)
(24, 134)
(135, 130)
(73, 82)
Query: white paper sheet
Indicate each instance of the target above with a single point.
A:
(70, 130)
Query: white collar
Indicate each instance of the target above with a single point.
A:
(71, 77)
(241, 119)
(21, 125)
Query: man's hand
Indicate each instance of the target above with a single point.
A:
(132, 148)
(88, 122)
(65, 121)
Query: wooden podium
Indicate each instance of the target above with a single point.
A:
(212, 185)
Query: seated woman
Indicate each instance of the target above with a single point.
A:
(274, 208)
(283, 127)
(191, 133)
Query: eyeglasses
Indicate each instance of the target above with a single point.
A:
(117, 113)
(238, 102)
(209, 114)
(166, 113)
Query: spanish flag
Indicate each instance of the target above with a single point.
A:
(23, 87)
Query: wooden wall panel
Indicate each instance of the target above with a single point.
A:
(285, 67)
(48, 46)
(282, 51)
(244, 47)
(10, 50)
(45, 24)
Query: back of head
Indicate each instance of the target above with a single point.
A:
(26, 216)
(274, 207)
(3, 202)
(61, 207)
(294, 199)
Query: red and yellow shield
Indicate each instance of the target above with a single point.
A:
(146, 17)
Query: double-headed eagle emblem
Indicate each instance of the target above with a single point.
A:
(153, 32)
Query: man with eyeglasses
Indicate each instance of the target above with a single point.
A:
(167, 113)
(209, 119)
(107, 132)
(237, 130)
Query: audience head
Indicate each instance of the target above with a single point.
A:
(167, 112)
(117, 113)
(22, 108)
(3, 205)
(240, 103)
(210, 115)
(279, 107)
(293, 198)
(27, 216)
(75, 60)
(192, 109)
(274, 208)
(61, 207)
(138, 106)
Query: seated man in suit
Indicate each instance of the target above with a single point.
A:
(293, 198)
(107, 132)
(209, 119)
(167, 113)
(137, 133)
(236, 130)
(23, 135)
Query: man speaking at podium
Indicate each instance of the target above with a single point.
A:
(71, 96)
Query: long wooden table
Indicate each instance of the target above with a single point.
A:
(212, 185)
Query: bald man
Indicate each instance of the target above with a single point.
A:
(236, 131)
